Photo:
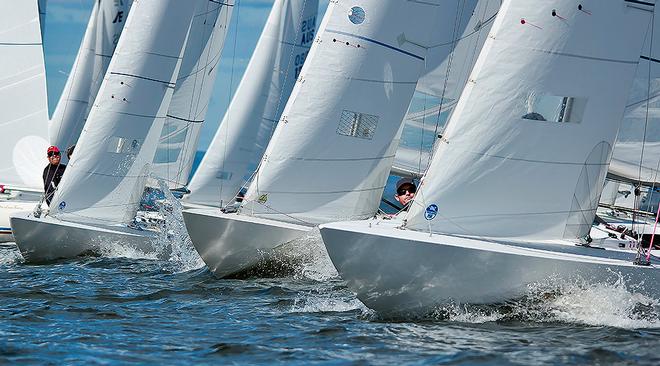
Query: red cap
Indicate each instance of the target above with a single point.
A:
(52, 149)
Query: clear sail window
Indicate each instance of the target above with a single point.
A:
(124, 145)
(357, 124)
(224, 175)
(552, 108)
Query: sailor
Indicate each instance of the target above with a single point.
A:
(52, 172)
(405, 192)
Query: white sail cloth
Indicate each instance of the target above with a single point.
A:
(333, 147)
(257, 105)
(187, 111)
(527, 148)
(24, 117)
(103, 30)
(106, 176)
(638, 142)
(444, 79)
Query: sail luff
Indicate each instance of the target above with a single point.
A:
(257, 104)
(24, 117)
(106, 176)
(187, 111)
(527, 148)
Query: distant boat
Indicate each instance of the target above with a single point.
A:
(24, 117)
(99, 194)
(333, 147)
(516, 179)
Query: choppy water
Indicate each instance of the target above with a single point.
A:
(127, 308)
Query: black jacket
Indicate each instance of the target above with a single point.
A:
(52, 176)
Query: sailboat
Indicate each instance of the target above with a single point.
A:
(187, 110)
(333, 147)
(516, 178)
(247, 126)
(104, 28)
(24, 118)
(98, 196)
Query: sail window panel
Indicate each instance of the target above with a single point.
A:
(167, 155)
(224, 175)
(553, 108)
(356, 124)
(124, 145)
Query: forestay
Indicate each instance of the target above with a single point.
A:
(24, 117)
(333, 147)
(638, 142)
(527, 148)
(103, 30)
(106, 176)
(438, 90)
(248, 124)
(187, 111)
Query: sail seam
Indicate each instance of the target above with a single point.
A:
(327, 192)
(185, 119)
(376, 42)
(591, 58)
(345, 159)
(143, 78)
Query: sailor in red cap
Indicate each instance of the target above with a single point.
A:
(52, 172)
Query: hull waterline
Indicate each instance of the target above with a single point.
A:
(396, 271)
(233, 243)
(47, 239)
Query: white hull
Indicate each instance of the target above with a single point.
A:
(396, 271)
(10, 207)
(233, 243)
(46, 239)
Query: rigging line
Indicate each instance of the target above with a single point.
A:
(646, 120)
(280, 98)
(450, 59)
(231, 85)
(193, 110)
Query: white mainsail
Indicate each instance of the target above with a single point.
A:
(438, 90)
(257, 105)
(106, 176)
(333, 148)
(24, 117)
(527, 148)
(103, 30)
(187, 111)
(636, 156)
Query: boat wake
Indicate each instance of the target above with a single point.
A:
(9, 254)
(174, 236)
(613, 305)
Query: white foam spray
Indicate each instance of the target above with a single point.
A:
(9, 254)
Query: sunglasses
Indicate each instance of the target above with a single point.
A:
(401, 191)
(53, 153)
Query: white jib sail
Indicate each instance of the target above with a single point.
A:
(24, 117)
(638, 142)
(438, 90)
(106, 176)
(187, 111)
(103, 30)
(527, 148)
(333, 147)
(257, 105)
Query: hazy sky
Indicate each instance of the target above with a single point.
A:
(65, 25)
